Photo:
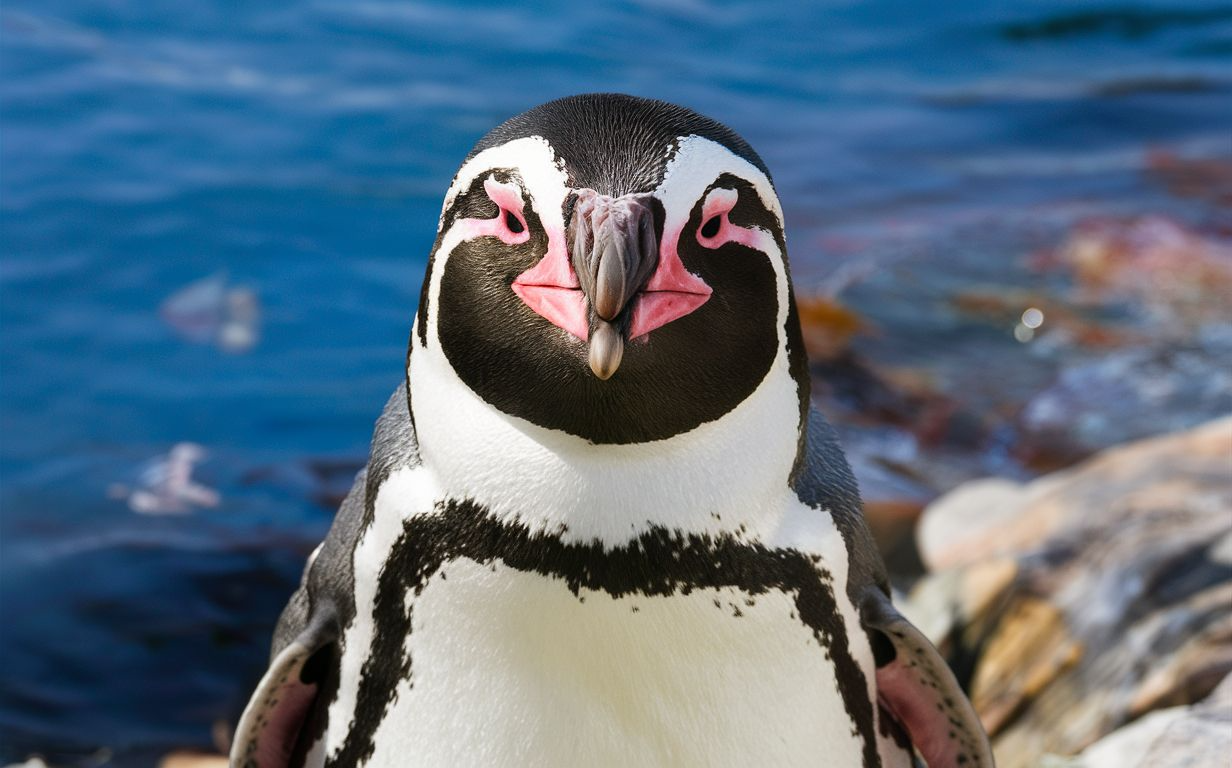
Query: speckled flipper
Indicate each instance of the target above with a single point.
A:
(286, 714)
(914, 684)
(270, 732)
(919, 690)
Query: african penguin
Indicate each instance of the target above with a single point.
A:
(600, 524)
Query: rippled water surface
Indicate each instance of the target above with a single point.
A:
(295, 155)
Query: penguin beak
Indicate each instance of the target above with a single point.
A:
(614, 252)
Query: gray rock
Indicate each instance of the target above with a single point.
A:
(1198, 736)
(1089, 599)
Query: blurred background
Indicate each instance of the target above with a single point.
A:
(1009, 224)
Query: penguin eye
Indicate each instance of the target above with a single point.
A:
(716, 228)
(509, 224)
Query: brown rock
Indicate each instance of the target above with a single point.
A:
(1118, 600)
(1029, 648)
(828, 326)
(952, 607)
(1198, 736)
(190, 759)
(1180, 276)
(960, 527)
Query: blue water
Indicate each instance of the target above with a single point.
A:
(303, 149)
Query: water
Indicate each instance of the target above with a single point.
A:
(302, 150)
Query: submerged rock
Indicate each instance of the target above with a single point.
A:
(1086, 599)
(213, 311)
(1126, 395)
(1175, 275)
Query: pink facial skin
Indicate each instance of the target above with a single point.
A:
(508, 199)
(671, 293)
(551, 288)
(720, 203)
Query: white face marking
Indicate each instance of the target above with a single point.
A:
(695, 166)
(543, 179)
(714, 478)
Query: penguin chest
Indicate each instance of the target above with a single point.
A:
(511, 667)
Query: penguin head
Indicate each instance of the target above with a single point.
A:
(614, 268)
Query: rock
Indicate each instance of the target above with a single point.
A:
(1176, 276)
(828, 326)
(1089, 598)
(1201, 737)
(952, 607)
(953, 530)
(1198, 736)
(1030, 316)
(190, 759)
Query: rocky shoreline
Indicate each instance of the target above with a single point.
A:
(1089, 612)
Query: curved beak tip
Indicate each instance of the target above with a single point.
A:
(606, 350)
(614, 252)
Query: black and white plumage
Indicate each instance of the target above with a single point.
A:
(600, 524)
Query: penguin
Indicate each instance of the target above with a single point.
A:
(600, 524)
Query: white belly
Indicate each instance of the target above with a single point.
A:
(512, 669)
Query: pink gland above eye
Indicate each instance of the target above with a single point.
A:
(718, 230)
(715, 229)
(509, 223)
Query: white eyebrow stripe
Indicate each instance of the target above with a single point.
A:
(532, 157)
(695, 165)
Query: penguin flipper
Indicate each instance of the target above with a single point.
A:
(270, 732)
(914, 684)
(288, 711)
(288, 707)
(918, 689)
